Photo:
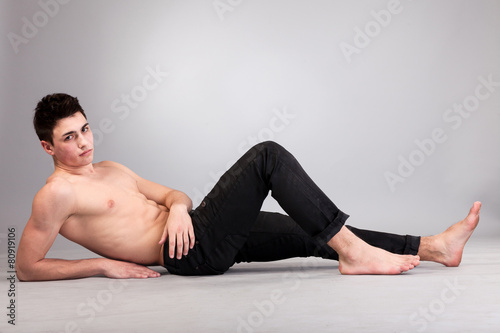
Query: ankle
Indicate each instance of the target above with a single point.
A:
(428, 250)
(344, 242)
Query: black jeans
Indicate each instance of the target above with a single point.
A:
(230, 227)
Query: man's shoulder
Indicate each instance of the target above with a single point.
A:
(111, 164)
(116, 166)
(57, 189)
(56, 198)
(105, 163)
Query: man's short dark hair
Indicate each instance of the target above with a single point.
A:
(52, 108)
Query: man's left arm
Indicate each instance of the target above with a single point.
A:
(179, 227)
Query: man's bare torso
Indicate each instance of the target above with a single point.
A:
(113, 218)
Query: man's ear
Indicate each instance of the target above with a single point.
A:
(49, 149)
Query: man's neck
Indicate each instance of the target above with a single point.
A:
(74, 170)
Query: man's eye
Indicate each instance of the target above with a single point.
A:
(69, 137)
(86, 128)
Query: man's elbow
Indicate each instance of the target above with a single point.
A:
(23, 274)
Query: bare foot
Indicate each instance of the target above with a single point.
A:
(447, 247)
(357, 257)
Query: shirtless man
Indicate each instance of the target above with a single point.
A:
(128, 220)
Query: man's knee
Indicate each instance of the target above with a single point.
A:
(263, 151)
(268, 146)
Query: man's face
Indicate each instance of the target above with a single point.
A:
(73, 141)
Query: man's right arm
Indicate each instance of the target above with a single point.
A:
(52, 205)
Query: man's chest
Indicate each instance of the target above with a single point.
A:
(108, 193)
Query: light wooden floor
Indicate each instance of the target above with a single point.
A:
(296, 295)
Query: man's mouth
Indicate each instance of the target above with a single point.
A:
(85, 153)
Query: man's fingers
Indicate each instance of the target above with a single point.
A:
(186, 244)
(128, 270)
(171, 247)
(180, 236)
(163, 237)
(180, 245)
(143, 275)
(150, 273)
(191, 238)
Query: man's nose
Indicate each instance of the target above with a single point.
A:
(82, 142)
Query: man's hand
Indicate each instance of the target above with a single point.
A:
(179, 230)
(126, 270)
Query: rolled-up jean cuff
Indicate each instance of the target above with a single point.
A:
(412, 244)
(332, 229)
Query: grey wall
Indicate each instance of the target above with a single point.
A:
(357, 95)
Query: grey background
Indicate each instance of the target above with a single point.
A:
(231, 71)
